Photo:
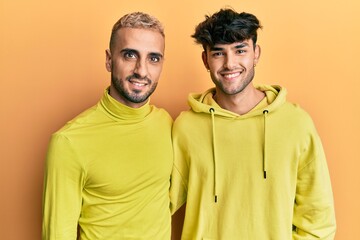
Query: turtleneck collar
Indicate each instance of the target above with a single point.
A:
(122, 112)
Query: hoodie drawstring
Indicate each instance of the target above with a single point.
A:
(265, 112)
(212, 110)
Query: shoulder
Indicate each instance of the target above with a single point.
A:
(296, 113)
(294, 120)
(190, 123)
(161, 114)
(187, 117)
(78, 121)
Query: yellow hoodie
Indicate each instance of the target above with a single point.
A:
(108, 170)
(258, 176)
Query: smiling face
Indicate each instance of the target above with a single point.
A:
(231, 66)
(135, 63)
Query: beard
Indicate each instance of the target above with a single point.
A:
(133, 96)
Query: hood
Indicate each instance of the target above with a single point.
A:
(204, 103)
(201, 103)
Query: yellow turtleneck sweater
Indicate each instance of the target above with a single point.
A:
(108, 171)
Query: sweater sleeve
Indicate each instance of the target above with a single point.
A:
(62, 191)
(314, 215)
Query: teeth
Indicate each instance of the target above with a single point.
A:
(232, 75)
(138, 84)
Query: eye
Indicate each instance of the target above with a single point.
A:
(130, 55)
(240, 51)
(154, 58)
(217, 54)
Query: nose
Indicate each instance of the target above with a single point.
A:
(230, 61)
(141, 68)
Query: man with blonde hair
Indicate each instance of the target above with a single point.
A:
(107, 172)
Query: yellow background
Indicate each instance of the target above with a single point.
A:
(52, 67)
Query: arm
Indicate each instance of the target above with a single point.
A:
(178, 188)
(177, 223)
(180, 171)
(62, 191)
(178, 193)
(314, 215)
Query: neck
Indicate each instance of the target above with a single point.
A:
(241, 102)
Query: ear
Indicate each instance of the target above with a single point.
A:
(257, 54)
(204, 58)
(108, 60)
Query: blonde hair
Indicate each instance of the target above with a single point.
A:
(136, 20)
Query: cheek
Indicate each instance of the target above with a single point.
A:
(155, 72)
(246, 62)
(122, 68)
(249, 59)
(215, 65)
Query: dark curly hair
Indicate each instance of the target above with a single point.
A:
(226, 27)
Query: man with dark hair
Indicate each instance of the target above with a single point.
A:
(248, 164)
(108, 170)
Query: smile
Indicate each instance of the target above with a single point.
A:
(138, 84)
(232, 75)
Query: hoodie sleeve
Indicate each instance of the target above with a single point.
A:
(314, 215)
(178, 190)
(180, 172)
(62, 191)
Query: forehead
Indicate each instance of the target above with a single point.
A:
(234, 45)
(142, 40)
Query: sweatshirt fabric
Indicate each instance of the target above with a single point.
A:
(261, 175)
(108, 170)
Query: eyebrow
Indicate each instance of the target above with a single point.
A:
(127, 50)
(155, 54)
(240, 45)
(130, 50)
